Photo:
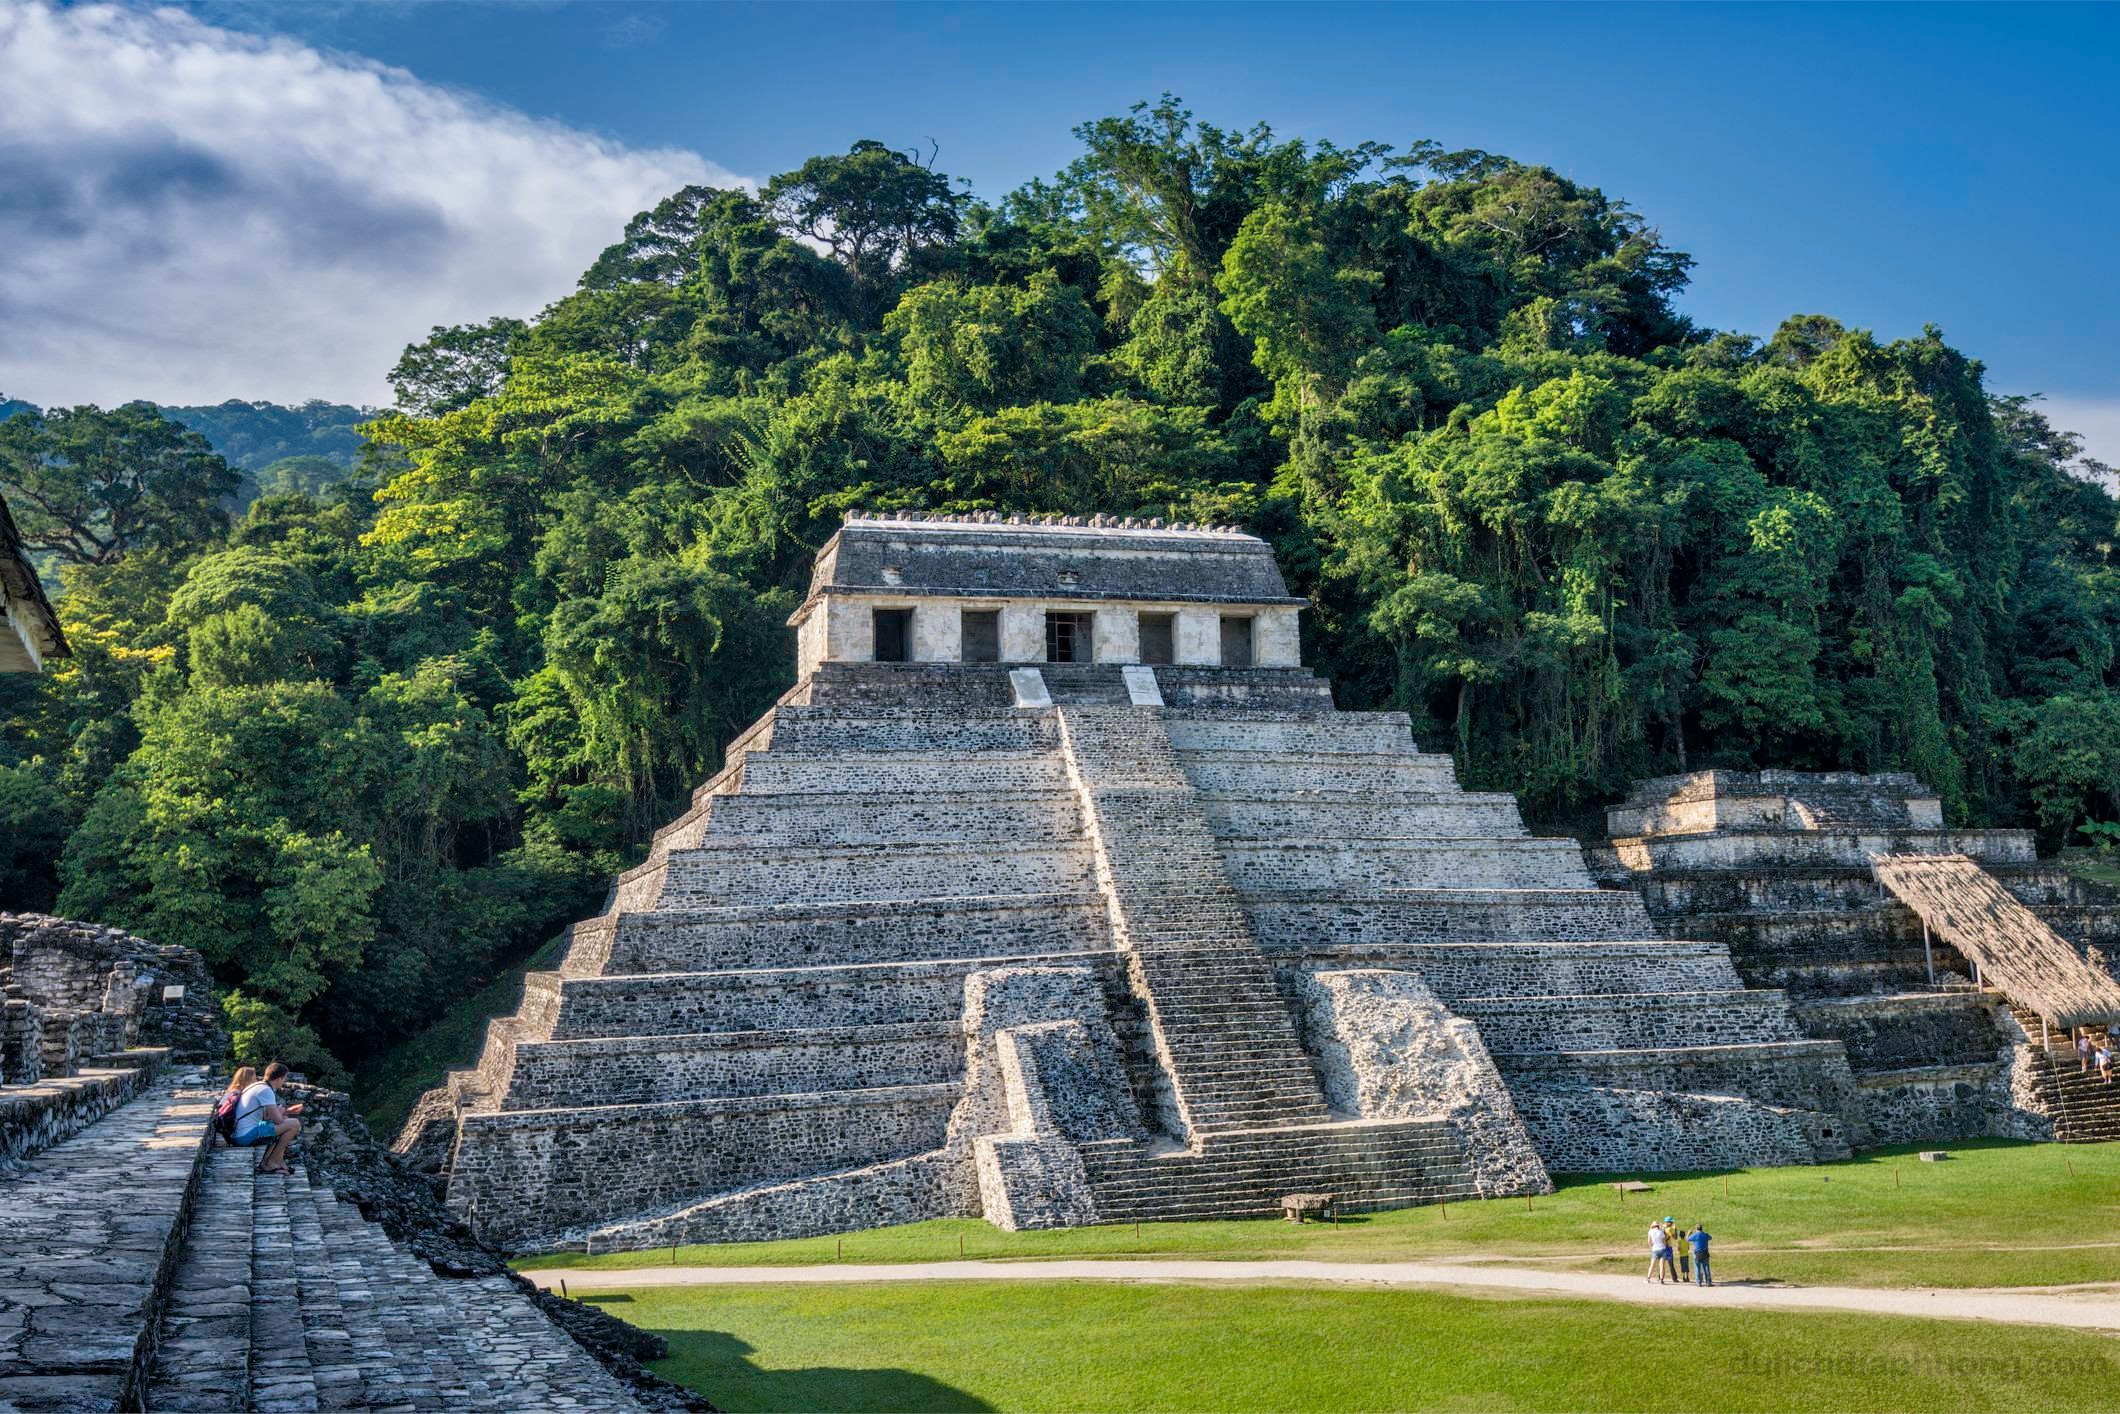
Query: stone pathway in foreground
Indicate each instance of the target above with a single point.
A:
(139, 1268)
(323, 1311)
(2094, 1309)
(86, 1231)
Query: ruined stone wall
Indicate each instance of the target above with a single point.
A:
(1946, 1102)
(1274, 865)
(1647, 1020)
(1893, 1032)
(1806, 1075)
(101, 989)
(1387, 1048)
(644, 1069)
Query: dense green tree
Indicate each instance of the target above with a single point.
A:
(380, 733)
(87, 486)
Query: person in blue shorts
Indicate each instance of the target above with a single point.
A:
(262, 1119)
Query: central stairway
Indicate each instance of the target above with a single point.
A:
(1219, 1020)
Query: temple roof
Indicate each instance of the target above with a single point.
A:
(24, 598)
(1029, 557)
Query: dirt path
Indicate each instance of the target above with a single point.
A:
(2090, 1307)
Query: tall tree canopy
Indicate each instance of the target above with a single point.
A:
(363, 749)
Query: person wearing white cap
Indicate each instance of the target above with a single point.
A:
(1659, 1252)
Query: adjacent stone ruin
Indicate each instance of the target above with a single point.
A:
(1783, 868)
(1058, 891)
(88, 1014)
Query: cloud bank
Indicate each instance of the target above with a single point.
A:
(190, 213)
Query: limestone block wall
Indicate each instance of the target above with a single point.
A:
(629, 1070)
(1671, 898)
(1945, 1102)
(1278, 688)
(674, 1153)
(1387, 1048)
(992, 771)
(1297, 815)
(1810, 849)
(123, 981)
(1784, 800)
(1248, 771)
(1803, 1075)
(883, 818)
(1358, 732)
(816, 731)
(1455, 971)
(793, 935)
(842, 629)
(1892, 1032)
(1613, 1130)
(1363, 918)
(1043, 1073)
(1471, 863)
(765, 999)
(1625, 1022)
(766, 875)
(21, 1041)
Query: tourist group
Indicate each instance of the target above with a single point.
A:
(1680, 1258)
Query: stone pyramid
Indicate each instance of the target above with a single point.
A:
(1058, 891)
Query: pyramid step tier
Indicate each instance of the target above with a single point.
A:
(713, 938)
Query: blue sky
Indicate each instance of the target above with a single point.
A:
(1888, 165)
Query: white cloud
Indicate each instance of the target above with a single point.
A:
(2095, 420)
(190, 213)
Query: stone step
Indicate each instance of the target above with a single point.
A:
(385, 1331)
(202, 1358)
(90, 1231)
(970, 816)
(880, 875)
(282, 1376)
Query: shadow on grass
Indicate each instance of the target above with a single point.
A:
(717, 1364)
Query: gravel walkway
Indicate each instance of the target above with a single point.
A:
(2090, 1308)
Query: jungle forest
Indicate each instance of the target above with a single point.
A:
(370, 729)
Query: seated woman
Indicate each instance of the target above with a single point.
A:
(262, 1119)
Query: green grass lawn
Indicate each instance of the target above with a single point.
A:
(1098, 1346)
(1997, 1214)
(385, 1091)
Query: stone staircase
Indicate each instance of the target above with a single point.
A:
(2084, 1108)
(1243, 1173)
(1224, 1032)
(142, 1269)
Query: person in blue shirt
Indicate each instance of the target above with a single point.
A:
(1698, 1240)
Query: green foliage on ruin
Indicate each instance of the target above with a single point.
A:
(375, 738)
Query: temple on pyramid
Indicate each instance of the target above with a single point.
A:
(1058, 891)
